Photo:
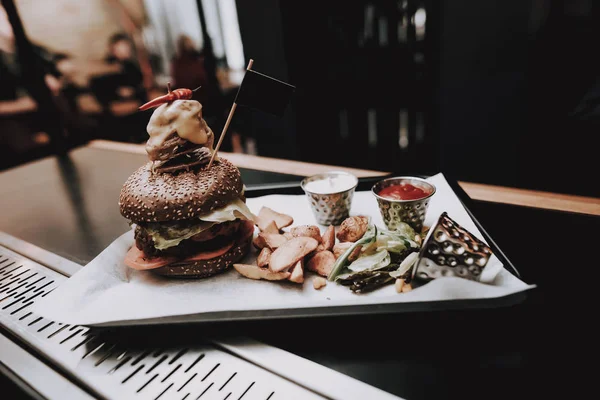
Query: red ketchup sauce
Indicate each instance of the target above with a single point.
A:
(404, 191)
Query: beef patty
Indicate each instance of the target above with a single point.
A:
(213, 238)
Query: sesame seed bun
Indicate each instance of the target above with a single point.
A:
(206, 268)
(163, 196)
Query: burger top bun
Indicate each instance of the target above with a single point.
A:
(160, 197)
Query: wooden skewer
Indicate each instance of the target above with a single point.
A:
(229, 118)
(169, 87)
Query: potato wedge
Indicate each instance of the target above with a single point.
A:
(328, 238)
(255, 272)
(355, 253)
(271, 228)
(319, 248)
(418, 239)
(340, 248)
(259, 242)
(399, 284)
(319, 282)
(288, 235)
(297, 272)
(264, 257)
(353, 228)
(321, 263)
(311, 231)
(273, 240)
(290, 252)
(266, 215)
(262, 223)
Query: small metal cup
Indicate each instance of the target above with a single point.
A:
(411, 212)
(451, 250)
(330, 208)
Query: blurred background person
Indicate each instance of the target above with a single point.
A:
(187, 67)
(188, 70)
(120, 52)
(121, 92)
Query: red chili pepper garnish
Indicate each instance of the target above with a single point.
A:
(177, 94)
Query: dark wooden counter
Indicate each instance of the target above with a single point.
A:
(477, 191)
(69, 206)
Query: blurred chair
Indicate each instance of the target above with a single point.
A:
(32, 121)
(120, 119)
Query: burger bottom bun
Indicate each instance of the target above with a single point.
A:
(205, 268)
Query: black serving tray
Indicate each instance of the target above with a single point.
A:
(366, 184)
(292, 187)
(68, 206)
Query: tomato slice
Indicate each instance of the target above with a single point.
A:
(245, 231)
(136, 259)
(206, 255)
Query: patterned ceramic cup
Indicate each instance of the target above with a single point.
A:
(332, 206)
(411, 212)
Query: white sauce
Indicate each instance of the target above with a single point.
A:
(331, 184)
(183, 117)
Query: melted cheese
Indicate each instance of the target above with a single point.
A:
(183, 117)
(171, 237)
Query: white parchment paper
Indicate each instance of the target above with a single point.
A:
(106, 292)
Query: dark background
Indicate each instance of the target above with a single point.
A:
(500, 95)
(498, 91)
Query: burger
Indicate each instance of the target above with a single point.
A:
(191, 221)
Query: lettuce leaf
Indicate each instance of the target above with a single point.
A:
(405, 265)
(397, 241)
(373, 261)
(402, 229)
(232, 211)
(368, 238)
(170, 236)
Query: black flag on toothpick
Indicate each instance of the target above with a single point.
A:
(264, 93)
(260, 92)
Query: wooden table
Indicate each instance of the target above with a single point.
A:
(477, 191)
